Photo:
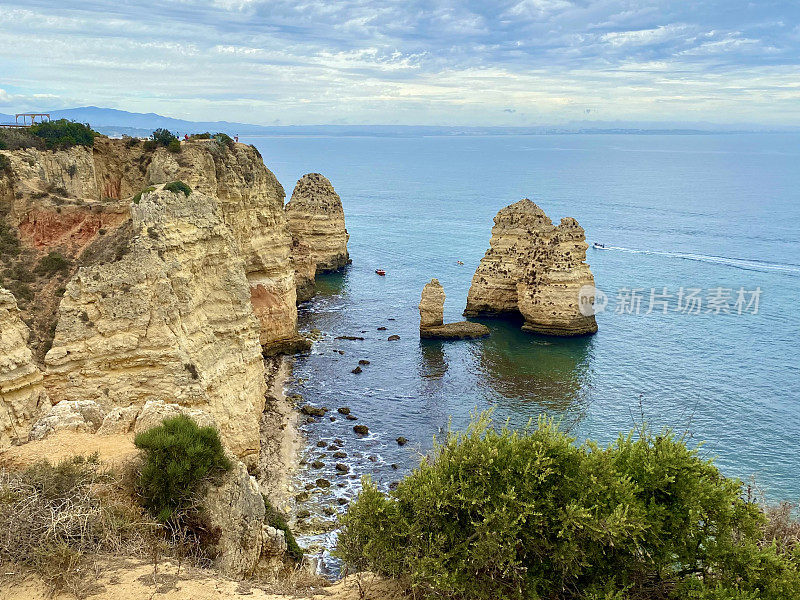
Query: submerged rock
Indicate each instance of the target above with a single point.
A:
(361, 429)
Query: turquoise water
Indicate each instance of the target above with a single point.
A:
(678, 211)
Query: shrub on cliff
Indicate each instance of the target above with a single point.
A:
(51, 264)
(177, 187)
(502, 514)
(178, 457)
(17, 139)
(62, 134)
(278, 521)
(223, 140)
(138, 197)
(163, 137)
(174, 146)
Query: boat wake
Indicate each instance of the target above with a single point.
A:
(738, 263)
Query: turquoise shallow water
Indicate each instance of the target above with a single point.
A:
(679, 211)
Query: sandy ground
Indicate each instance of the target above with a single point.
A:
(114, 450)
(130, 579)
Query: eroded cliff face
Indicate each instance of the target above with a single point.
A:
(64, 200)
(22, 393)
(535, 269)
(251, 200)
(164, 313)
(316, 222)
(494, 286)
(549, 289)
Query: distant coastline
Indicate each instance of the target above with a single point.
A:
(116, 123)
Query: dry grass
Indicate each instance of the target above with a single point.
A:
(59, 519)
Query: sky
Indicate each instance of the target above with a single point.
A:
(440, 62)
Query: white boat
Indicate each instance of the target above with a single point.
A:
(599, 246)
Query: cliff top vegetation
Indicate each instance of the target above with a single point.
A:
(495, 513)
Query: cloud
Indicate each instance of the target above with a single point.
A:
(411, 61)
(643, 37)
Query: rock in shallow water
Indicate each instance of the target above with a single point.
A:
(431, 311)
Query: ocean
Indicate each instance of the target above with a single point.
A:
(701, 332)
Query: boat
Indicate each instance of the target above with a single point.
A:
(380, 272)
(599, 246)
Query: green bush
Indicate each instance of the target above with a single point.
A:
(278, 521)
(223, 140)
(200, 136)
(9, 242)
(163, 137)
(53, 263)
(502, 514)
(176, 187)
(62, 134)
(174, 146)
(138, 197)
(178, 457)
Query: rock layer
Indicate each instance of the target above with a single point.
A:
(170, 319)
(22, 393)
(431, 317)
(535, 269)
(316, 221)
(549, 289)
(64, 199)
(251, 200)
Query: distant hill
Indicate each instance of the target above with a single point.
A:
(115, 122)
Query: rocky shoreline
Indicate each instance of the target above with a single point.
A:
(145, 283)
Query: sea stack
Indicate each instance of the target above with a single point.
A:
(535, 269)
(431, 317)
(315, 218)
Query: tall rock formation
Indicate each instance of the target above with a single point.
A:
(251, 199)
(431, 317)
(494, 285)
(163, 312)
(549, 289)
(535, 269)
(316, 222)
(22, 393)
(431, 305)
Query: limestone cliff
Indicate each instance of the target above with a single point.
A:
(535, 269)
(63, 200)
(165, 314)
(316, 221)
(251, 200)
(22, 394)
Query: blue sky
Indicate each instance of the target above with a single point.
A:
(442, 62)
